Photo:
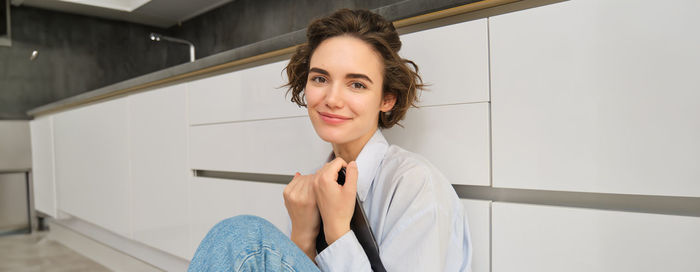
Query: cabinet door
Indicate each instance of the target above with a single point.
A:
(214, 200)
(160, 190)
(92, 164)
(42, 165)
(453, 59)
(455, 138)
(479, 218)
(597, 96)
(546, 238)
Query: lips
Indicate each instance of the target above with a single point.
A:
(333, 119)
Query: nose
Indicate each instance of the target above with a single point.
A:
(334, 97)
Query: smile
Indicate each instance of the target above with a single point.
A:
(333, 119)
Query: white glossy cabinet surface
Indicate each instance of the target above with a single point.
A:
(160, 183)
(546, 238)
(597, 96)
(455, 138)
(279, 146)
(214, 200)
(43, 165)
(479, 218)
(453, 59)
(248, 94)
(92, 164)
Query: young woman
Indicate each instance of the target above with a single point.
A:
(353, 82)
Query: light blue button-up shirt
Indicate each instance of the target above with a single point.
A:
(414, 213)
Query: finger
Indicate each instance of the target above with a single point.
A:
(336, 164)
(351, 174)
(292, 185)
(330, 170)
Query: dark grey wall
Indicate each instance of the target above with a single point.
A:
(76, 54)
(243, 22)
(80, 53)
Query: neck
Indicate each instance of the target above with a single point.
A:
(350, 150)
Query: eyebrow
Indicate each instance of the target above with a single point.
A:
(351, 75)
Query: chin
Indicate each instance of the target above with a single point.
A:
(332, 135)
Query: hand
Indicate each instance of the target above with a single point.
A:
(336, 203)
(300, 200)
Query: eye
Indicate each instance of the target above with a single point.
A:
(318, 79)
(358, 85)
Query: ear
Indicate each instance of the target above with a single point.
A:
(388, 102)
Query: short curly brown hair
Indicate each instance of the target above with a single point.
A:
(400, 75)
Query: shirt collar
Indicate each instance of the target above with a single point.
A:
(368, 162)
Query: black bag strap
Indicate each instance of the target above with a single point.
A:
(360, 226)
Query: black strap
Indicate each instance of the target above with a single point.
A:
(360, 226)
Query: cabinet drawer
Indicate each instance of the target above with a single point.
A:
(248, 94)
(607, 105)
(453, 59)
(546, 238)
(455, 138)
(279, 146)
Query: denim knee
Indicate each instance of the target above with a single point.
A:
(244, 221)
(248, 243)
(244, 224)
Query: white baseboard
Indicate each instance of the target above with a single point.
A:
(111, 250)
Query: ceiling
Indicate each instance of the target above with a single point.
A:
(159, 13)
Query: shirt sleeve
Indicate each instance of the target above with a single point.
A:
(419, 238)
(345, 254)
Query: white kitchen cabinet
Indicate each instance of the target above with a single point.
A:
(479, 218)
(453, 59)
(92, 164)
(547, 238)
(455, 138)
(160, 177)
(214, 200)
(41, 131)
(597, 96)
(278, 146)
(248, 94)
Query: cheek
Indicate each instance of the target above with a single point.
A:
(363, 105)
(313, 95)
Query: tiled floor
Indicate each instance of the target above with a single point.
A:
(32, 252)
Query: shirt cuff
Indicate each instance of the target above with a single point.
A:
(345, 254)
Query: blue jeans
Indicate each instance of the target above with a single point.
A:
(248, 243)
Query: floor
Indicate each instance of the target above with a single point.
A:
(33, 252)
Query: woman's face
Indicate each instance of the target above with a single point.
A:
(344, 90)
